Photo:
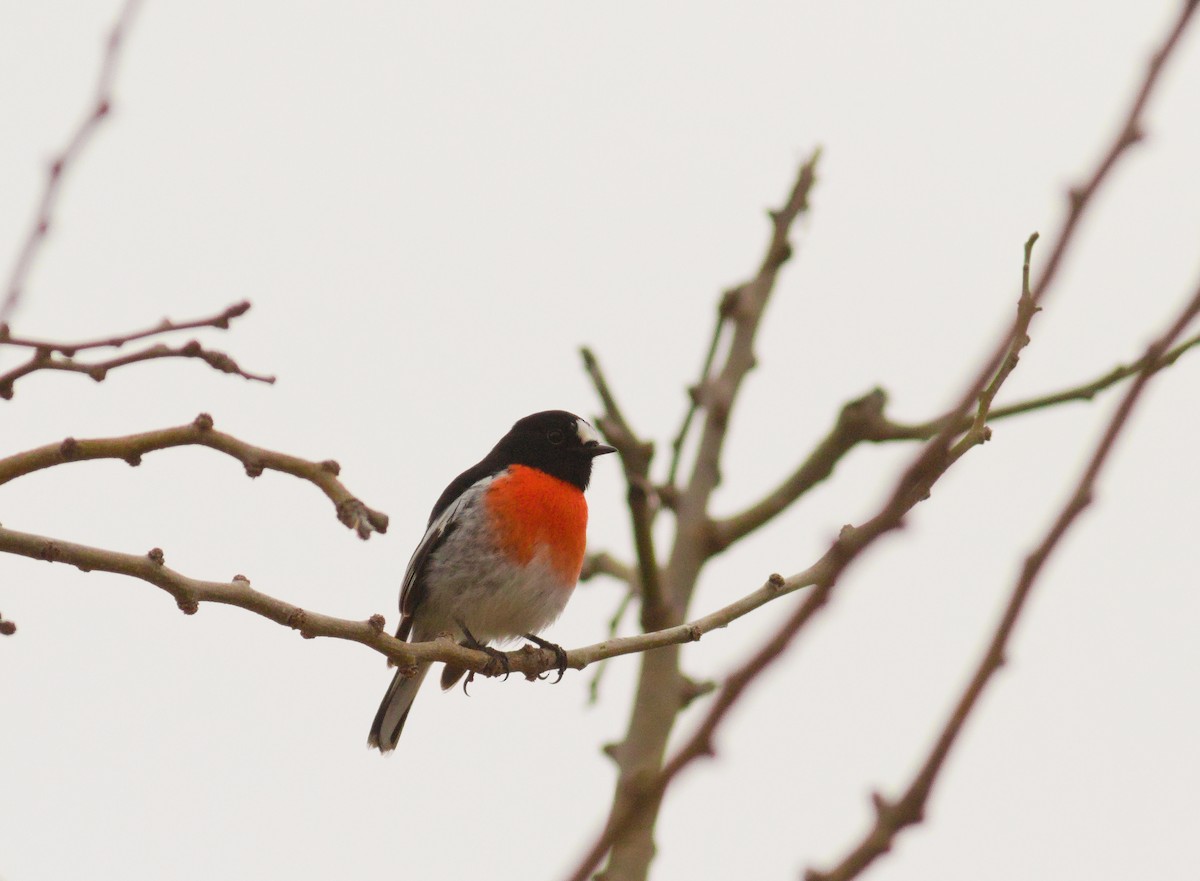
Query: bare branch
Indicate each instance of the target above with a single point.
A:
(1026, 309)
(49, 355)
(636, 456)
(350, 511)
(221, 321)
(662, 689)
(614, 627)
(1088, 391)
(640, 789)
(723, 309)
(892, 817)
(1080, 198)
(604, 563)
(863, 420)
(190, 593)
(97, 112)
(98, 370)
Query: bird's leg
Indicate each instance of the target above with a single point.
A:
(560, 655)
(496, 655)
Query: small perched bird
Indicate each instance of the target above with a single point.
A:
(502, 552)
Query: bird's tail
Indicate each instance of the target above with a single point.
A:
(389, 721)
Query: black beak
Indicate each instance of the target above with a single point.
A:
(594, 449)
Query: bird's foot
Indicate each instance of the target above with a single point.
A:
(560, 655)
(499, 660)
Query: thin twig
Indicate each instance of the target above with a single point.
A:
(604, 563)
(350, 511)
(636, 456)
(892, 817)
(1026, 309)
(863, 421)
(662, 689)
(49, 355)
(221, 321)
(97, 112)
(641, 797)
(912, 487)
(614, 627)
(694, 392)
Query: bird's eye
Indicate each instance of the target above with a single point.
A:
(556, 437)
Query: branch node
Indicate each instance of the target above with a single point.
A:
(187, 605)
(296, 620)
(69, 449)
(7, 628)
(253, 468)
(133, 460)
(668, 496)
(1132, 135)
(376, 622)
(203, 422)
(156, 556)
(775, 581)
(241, 578)
(880, 804)
(331, 467)
(729, 301)
(353, 514)
(692, 689)
(49, 552)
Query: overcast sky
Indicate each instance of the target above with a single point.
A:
(432, 207)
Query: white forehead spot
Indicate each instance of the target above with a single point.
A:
(586, 433)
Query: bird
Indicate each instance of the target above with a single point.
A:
(501, 553)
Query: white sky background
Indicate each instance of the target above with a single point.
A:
(431, 207)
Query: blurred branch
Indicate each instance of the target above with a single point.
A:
(912, 488)
(1080, 198)
(635, 459)
(97, 112)
(863, 420)
(220, 321)
(350, 511)
(604, 563)
(1019, 339)
(48, 355)
(614, 627)
(1088, 391)
(892, 817)
(662, 690)
(694, 391)
(628, 831)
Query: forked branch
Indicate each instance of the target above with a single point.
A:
(200, 432)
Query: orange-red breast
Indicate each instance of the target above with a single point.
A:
(502, 552)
